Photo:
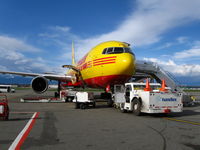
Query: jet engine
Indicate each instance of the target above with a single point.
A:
(39, 84)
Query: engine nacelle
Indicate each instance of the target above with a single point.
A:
(39, 84)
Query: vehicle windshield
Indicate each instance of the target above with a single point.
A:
(141, 87)
(117, 50)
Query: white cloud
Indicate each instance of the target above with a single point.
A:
(48, 35)
(187, 54)
(193, 52)
(3, 68)
(177, 69)
(166, 45)
(182, 39)
(148, 22)
(60, 28)
(196, 44)
(13, 44)
(12, 56)
(145, 25)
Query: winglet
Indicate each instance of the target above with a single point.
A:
(73, 55)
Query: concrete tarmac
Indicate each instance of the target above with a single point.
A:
(60, 126)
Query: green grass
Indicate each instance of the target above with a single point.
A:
(90, 90)
(52, 89)
(75, 89)
(22, 88)
(191, 90)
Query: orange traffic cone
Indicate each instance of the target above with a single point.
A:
(163, 86)
(148, 88)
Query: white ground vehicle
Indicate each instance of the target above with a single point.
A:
(132, 97)
(67, 95)
(6, 88)
(84, 99)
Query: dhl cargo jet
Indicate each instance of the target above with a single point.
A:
(107, 64)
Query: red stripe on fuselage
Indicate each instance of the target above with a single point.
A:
(104, 63)
(104, 58)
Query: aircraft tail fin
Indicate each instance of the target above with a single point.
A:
(73, 55)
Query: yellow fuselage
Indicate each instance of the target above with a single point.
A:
(100, 68)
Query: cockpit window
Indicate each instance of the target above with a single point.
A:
(127, 50)
(104, 51)
(117, 50)
(109, 50)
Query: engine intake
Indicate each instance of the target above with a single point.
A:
(39, 84)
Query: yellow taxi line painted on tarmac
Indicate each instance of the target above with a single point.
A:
(183, 121)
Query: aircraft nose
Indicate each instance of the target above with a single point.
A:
(127, 62)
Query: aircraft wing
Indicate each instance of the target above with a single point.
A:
(46, 75)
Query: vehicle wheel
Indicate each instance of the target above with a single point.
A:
(69, 99)
(110, 103)
(94, 104)
(77, 105)
(122, 108)
(137, 107)
(82, 106)
(114, 105)
(56, 94)
(7, 116)
(66, 99)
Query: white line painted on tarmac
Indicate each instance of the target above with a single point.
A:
(24, 133)
(15, 112)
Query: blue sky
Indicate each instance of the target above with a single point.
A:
(35, 36)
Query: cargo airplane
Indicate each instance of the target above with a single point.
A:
(106, 64)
